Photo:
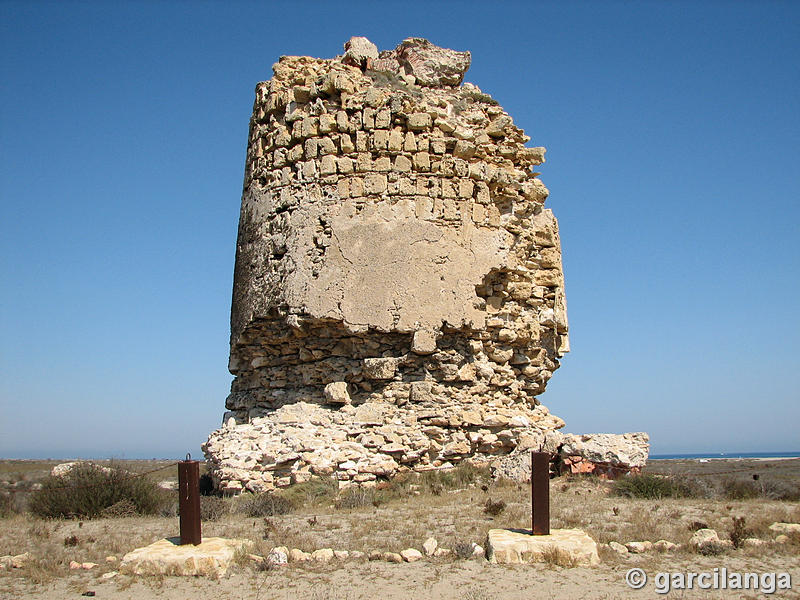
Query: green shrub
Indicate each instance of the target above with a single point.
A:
(86, 490)
(265, 505)
(652, 487)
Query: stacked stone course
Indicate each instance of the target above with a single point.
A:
(398, 292)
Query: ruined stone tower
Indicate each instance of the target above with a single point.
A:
(398, 295)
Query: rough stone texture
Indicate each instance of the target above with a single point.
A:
(64, 469)
(357, 50)
(411, 555)
(703, 537)
(322, 555)
(357, 444)
(430, 546)
(336, 393)
(607, 455)
(297, 555)
(516, 465)
(392, 557)
(16, 561)
(639, 547)
(427, 63)
(618, 548)
(785, 528)
(664, 546)
(392, 237)
(508, 546)
(211, 558)
(278, 556)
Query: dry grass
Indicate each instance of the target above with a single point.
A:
(451, 509)
(476, 593)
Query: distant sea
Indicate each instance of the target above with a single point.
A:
(726, 455)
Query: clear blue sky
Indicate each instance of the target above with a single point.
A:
(673, 136)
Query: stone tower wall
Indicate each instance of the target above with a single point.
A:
(398, 293)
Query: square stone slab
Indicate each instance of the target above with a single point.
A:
(564, 546)
(211, 558)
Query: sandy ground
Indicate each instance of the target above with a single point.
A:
(462, 580)
(450, 517)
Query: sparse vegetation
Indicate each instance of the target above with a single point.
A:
(462, 476)
(265, 505)
(123, 508)
(87, 490)
(476, 594)
(213, 508)
(401, 513)
(315, 491)
(651, 487)
(781, 490)
(6, 505)
(390, 80)
(356, 498)
(740, 489)
(739, 533)
(711, 549)
(494, 507)
(463, 549)
(697, 525)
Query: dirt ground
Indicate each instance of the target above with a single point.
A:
(451, 516)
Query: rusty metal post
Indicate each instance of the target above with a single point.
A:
(189, 501)
(540, 493)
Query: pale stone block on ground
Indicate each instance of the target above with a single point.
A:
(17, 561)
(210, 558)
(618, 548)
(639, 547)
(411, 554)
(665, 546)
(430, 546)
(515, 546)
(393, 557)
(785, 528)
(297, 555)
(703, 537)
(322, 555)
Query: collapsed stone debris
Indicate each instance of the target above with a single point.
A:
(606, 455)
(398, 293)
